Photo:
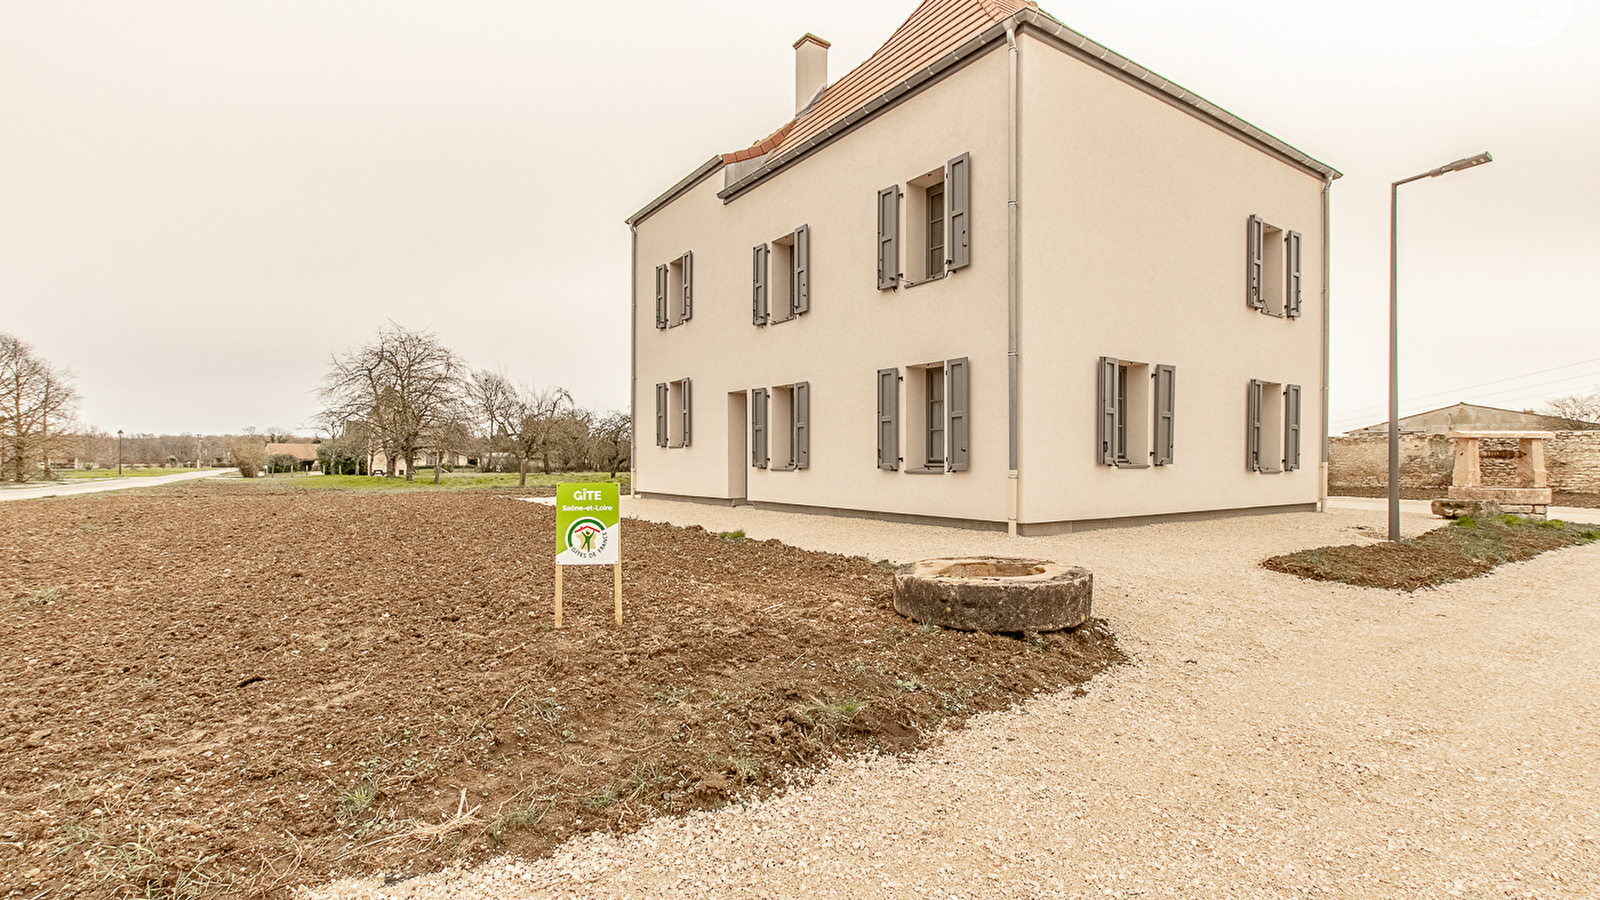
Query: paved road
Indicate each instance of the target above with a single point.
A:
(108, 484)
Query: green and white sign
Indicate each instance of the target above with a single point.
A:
(588, 524)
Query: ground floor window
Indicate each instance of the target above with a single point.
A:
(674, 413)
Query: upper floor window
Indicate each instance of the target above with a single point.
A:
(675, 291)
(1272, 282)
(938, 206)
(781, 278)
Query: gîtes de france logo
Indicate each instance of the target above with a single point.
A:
(587, 538)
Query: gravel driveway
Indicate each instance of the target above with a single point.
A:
(1276, 738)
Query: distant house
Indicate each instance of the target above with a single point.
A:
(1472, 417)
(303, 451)
(997, 275)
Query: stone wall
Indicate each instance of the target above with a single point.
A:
(1428, 460)
(1573, 459)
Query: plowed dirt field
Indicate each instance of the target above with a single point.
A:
(230, 690)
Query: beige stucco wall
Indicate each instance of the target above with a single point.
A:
(852, 329)
(1133, 241)
(1133, 229)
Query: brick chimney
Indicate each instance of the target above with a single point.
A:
(810, 69)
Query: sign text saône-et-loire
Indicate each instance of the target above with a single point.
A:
(589, 533)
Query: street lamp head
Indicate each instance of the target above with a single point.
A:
(1460, 164)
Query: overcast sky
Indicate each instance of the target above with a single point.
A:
(201, 201)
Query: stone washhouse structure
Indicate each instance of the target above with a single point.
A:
(1468, 495)
(995, 276)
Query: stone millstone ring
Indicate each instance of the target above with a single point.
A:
(994, 594)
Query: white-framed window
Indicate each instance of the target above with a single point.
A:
(781, 278)
(674, 413)
(937, 240)
(1272, 269)
(675, 291)
(1135, 413)
(1272, 427)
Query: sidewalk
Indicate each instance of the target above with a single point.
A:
(1424, 508)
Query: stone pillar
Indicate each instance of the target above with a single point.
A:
(1530, 463)
(1468, 472)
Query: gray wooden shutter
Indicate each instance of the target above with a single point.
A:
(957, 403)
(1291, 427)
(889, 419)
(688, 287)
(1166, 376)
(1253, 264)
(1106, 416)
(661, 296)
(889, 237)
(758, 285)
(758, 427)
(958, 216)
(688, 414)
(1292, 304)
(661, 414)
(1252, 443)
(800, 442)
(800, 296)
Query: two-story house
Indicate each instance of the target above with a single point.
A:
(996, 275)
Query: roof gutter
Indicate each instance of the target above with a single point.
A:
(1071, 42)
(1126, 69)
(705, 171)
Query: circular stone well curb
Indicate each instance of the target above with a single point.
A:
(994, 593)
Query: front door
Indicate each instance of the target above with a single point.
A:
(738, 448)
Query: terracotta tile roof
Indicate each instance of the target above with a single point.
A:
(759, 148)
(303, 451)
(921, 47)
(934, 28)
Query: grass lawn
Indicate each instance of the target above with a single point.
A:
(453, 481)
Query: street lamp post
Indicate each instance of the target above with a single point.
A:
(119, 452)
(1394, 329)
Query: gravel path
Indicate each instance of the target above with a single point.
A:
(1276, 738)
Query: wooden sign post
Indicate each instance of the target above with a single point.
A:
(589, 533)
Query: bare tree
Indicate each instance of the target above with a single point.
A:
(37, 402)
(493, 400)
(613, 439)
(534, 426)
(1582, 411)
(405, 387)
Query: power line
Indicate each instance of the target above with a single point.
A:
(1384, 407)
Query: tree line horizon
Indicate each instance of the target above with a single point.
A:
(404, 397)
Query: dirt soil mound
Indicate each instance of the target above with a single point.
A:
(1465, 549)
(216, 689)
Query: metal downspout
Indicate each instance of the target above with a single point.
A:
(633, 359)
(1327, 275)
(1013, 287)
